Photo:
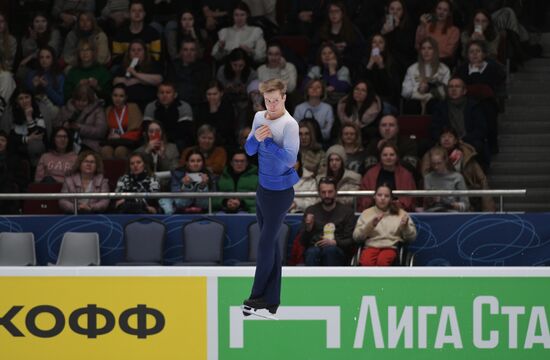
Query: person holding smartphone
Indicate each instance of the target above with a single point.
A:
(164, 154)
(439, 26)
(481, 28)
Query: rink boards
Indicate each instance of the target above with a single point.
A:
(326, 313)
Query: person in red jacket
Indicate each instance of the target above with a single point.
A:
(391, 172)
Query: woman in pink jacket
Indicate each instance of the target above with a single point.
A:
(87, 177)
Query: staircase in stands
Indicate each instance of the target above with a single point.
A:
(524, 138)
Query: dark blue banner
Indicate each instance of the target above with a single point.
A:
(443, 240)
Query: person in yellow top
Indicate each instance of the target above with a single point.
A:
(381, 227)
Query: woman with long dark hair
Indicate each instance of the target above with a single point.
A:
(187, 28)
(40, 33)
(47, 79)
(362, 107)
(481, 28)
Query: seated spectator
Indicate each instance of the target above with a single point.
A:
(28, 130)
(305, 17)
(86, 28)
(307, 182)
(346, 180)
(462, 114)
(388, 131)
(115, 13)
(85, 117)
(216, 156)
(217, 13)
(218, 112)
(463, 159)
(87, 177)
(479, 69)
(7, 87)
(238, 176)
(39, 33)
(380, 70)
(442, 176)
(193, 177)
(174, 114)
(187, 28)
(327, 229)
(388, 171)
(330, 70)
(485, 79)
(481, 28)
(12, 176)
(139, 179)
(47, 80)
(312, 156)
(277, 67)
(88, 71)
(350, 139)
(439, 26)
(65, 13)
(315, 110)
(190, 74)
(136, 29)
(123, 126)
(8, 44)
(57, 163)
(425, 80)
(235, 75)
(381, 228)
(240, 36)
(340, 31)
(164, 154)
(141, 76)
(397, 28)
(362, 107)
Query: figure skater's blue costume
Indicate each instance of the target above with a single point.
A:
(276, 158)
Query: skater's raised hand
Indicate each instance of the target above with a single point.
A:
(262, 133)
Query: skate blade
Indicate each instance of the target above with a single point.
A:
(262, 313)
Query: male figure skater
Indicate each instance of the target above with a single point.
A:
(275, 138)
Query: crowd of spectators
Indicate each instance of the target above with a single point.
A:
(172, 86)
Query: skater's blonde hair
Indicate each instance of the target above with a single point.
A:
(273, 85)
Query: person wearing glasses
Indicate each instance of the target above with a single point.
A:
(327, 228)
(274, 137)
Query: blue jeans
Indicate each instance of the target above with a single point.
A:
(324, 256)
(271, 209)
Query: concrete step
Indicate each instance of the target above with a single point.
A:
(520, 168)
(524, 149)
(518, 181)
(524, 140)
(506, 155)
(528, 99)
(507, 126)
(528, 87)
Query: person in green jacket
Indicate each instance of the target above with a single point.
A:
(89, 72)
(239, 175)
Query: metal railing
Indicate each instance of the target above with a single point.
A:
(159, 195)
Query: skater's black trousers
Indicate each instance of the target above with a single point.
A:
(271, 209)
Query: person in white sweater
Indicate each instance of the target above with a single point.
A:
(277, 67)
(240, 35)
(426, 79)
(380, 228)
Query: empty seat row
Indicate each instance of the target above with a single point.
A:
(203, 241)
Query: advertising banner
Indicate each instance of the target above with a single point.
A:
(326, 313)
